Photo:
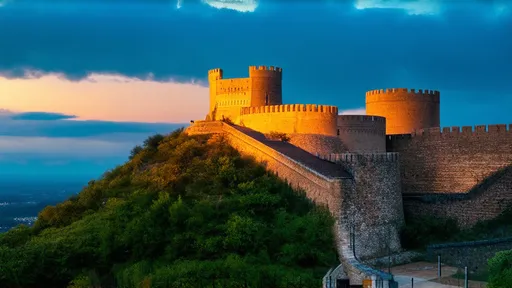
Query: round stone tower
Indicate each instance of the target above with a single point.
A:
(405, 110)
(266, 88)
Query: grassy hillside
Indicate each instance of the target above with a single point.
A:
(183, 212)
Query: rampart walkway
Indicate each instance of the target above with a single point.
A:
(323, 167)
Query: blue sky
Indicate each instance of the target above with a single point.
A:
(331, 53)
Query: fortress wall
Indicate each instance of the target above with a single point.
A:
(204, 127)
(230, 96)
(322, 190)
(374, 207)
(315, 143)
(229, 105)
(451, 160)
(405, 110)
(291, 119)
(485, 202)
(361, 133)
(233, 85)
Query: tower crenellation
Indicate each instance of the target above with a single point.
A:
(417, 92)
(496, 130)
(215, 74)
(265, 68)
(405, 109)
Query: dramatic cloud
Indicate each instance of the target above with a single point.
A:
(371, 49)
(495, 9)
(37, 144)
(104, 97)
(238, 5)
(412, 7)
(41, 116)
(68, 128)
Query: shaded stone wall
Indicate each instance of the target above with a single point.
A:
(451, 160)
(373, 210)
(314, 143)
(362, 133)
(484, 202)
(473, 255)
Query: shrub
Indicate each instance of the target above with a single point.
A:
(500, 270)
(277, 136)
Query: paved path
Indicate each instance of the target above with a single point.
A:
(405, 282)
(423, 273)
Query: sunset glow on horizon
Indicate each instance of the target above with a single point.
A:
(106, 98)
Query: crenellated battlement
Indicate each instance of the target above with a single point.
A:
(215, 71)
(290, 108)
(362, 118)
(357, 157)
(265, 68)
(496, 129)
(403, 94)
(403, 90)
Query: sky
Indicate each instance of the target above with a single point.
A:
(83, 81)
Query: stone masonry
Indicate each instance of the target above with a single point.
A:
(396, 161)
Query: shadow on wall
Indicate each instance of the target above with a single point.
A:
(485, 201)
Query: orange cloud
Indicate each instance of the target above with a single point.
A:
(106, 97)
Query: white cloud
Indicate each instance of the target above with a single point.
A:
(238, 5)
(493, 9)
(412, 7)
(357, 111)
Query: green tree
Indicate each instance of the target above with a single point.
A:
(500, 270)
(184, 210)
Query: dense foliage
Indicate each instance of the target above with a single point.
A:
(422, 231)
(500, 270)
(183, 212)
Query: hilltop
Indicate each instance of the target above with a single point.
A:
(184, 211)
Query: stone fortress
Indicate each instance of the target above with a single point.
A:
(371, 171)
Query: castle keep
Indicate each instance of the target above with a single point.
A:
(373, 170)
